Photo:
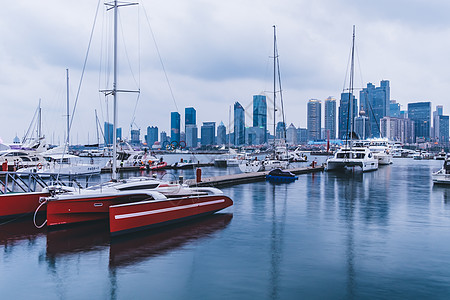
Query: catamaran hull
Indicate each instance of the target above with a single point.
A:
(14, 205)
(78, 210)
(131, 217)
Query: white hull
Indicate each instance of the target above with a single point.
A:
(383, 158)
(440, 177)
(345, 158)
(55, 169)
(251, 166)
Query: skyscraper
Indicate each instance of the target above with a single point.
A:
(435, 129)
(443, 130)
(135, 137)
(191, 136)
(375, 104)
(260, 112)
(394, 109)
(221, 134)
(344, 113)
(208, 133)
(175, 127)
(239, 124)
(152, 136)
(108, 127)
(190, 117)
(330, 117)
(314, 119)
(420, 113)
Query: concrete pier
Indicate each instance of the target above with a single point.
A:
(240, 178)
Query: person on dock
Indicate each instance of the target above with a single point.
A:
(5, 165)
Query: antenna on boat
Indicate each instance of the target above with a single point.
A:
(114, 5)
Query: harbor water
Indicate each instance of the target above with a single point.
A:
(378, 235)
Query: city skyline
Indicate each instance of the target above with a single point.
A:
(225, 58)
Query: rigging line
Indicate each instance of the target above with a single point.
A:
(126, 52)
(100, 98)
(160, 59)
(346, 70)
(281, 97)
(85, 63)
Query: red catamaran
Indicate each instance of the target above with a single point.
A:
(132, 204)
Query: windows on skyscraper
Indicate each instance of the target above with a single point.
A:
(260, 112)
(420, 113)
(239, 124)
(314, 119)
(175, 127)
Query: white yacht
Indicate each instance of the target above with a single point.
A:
(58, 161)
(443, 175)
(347, 157)
(381, 150)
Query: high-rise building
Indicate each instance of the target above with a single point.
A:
(375, 104)
(443, 130)
(190, 117)
(362, 127)
(260, 112)
(330, 118)
(280, 130)
(135, 137)
(108, 127)
(152, 136)
(435, 129)
(420, 113)
(221, 134)
(208, 133)
(344, 113)
(239, 124)
(302, 135)
(255, 136)
(394, 109)
(191, 136)
(291, 135)
(175, 120)
(398, 129)
(163, 138)
(314, 119)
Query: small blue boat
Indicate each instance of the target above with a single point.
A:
(280, 176)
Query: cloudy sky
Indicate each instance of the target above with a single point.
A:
(214, 53)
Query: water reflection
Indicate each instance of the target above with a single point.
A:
(279, 198)
(135, 248)
(13, 233)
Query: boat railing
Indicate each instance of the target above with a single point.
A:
(12, 182)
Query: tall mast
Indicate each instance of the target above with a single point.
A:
(114, 92)
(67, 98)
(351, 88)
(115, 5)
(274, 83)
(38, 133)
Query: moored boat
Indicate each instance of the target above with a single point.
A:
(161, 209)
(278, 175)
(443, 175)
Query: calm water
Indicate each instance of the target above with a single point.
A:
(380, 235)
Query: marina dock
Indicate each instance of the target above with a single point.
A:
(233, 179)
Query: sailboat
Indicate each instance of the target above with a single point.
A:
(58, 161)
(135, 203)
(349, 155)
(279, 159)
